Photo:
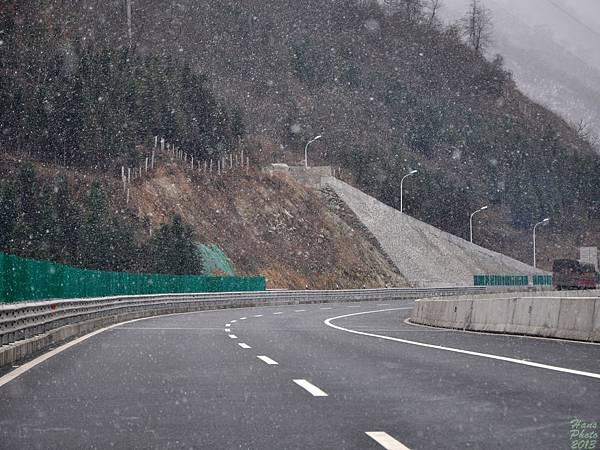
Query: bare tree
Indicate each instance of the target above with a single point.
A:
(392, 6)
(413, 9)
(585, 132)
(432, 7)
(477, 26)
(582, 128)
(366, 2)
(410, 9)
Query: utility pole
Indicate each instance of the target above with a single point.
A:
(129, 22)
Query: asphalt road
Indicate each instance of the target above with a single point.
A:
(186, 381)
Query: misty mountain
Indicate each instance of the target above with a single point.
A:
(551, 48)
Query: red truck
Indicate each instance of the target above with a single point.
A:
(571, 274)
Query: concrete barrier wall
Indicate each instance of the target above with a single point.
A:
(310, 176)
(574, 315)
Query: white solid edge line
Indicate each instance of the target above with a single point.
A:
(244, 345)
(452, 349)
(233, 336)
(311, 388)
(166, 328)
(40, 359)
(267, 360)
(386, 441)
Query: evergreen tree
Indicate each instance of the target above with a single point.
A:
(30, 233)
(94, 243)
(66, 219)
(8, 215)
(172, 250)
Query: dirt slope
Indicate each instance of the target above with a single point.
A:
(266, 225)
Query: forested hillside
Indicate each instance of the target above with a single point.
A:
(390, 90)
(78, 219)
(266, 225)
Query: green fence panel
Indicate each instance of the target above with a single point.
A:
(27, 279)
(502, 280)
(542, 280)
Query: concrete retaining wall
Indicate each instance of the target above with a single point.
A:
(310, 176)
(573, 315)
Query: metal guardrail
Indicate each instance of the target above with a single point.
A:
(24, 320)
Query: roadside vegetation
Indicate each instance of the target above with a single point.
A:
(48, 220)
(390, 88)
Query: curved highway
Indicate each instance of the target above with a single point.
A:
(335, 376)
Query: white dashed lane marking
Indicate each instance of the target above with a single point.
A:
(386, 441)
(244, 345)
(233, 336)
(233, 321)
(258, 315)
(300, 310)
(243, 318)
(227, 324)
(325, 308)
(275, 313)
(311, 388)
(267, 360)
(227, 330)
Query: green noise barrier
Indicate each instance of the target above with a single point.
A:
(542, 280)
(500, 280)
(28, 279)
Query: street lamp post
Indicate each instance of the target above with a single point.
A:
(483, 208)
(412, 172)
(541, 222)
(306, 149)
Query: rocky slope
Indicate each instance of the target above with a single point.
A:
(267, 225)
